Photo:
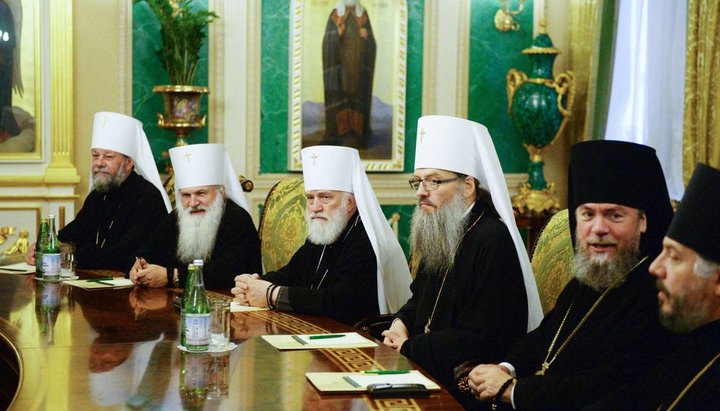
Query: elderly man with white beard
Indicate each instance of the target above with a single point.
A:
(210, 222)
(474, 294)
(126, 196)
(604, 332)
(351, 265)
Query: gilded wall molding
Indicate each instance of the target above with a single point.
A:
(61, 168)
(463, 59)
(446, 59)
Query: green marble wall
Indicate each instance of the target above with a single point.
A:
(492, 54)
(274, 86)
(147, 72)
(405, 212)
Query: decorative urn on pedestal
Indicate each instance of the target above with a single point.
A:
(539, 106)
(182, 31)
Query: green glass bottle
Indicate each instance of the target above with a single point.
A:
(51, 253)
(185, 296)
(39, 246)
(197, 313)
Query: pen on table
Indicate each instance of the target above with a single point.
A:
(100, 280)
(324, 336)
(385, 372)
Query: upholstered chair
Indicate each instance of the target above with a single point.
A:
(282, 223)
(552, 259)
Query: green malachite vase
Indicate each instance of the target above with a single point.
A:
(539, 106)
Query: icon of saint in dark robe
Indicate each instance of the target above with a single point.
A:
(9, 16)
(348, 53)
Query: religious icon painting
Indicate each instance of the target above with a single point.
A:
(347, 79)
(20, 95)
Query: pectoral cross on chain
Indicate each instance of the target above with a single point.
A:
(544, 367)
(187, 156)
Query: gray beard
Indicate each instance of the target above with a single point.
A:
(322, 232)
(435, 237)
(603, 275)
(685, 314)
(197, 234)
(105, 185)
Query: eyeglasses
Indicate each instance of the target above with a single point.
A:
(429, 184)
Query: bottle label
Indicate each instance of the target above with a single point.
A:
(51, 264)
(197, 331)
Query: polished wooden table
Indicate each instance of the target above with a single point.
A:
(65, 348)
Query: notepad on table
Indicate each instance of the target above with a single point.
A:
(239, 308)
(315, 341)
(338, 382)
(18, 268)
(95, 284)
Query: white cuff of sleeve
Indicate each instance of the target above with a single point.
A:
(512, 395)
(509, 367)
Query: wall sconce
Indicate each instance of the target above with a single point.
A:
(504, 20)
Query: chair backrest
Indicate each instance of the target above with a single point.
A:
(282, 223)
(552, 260)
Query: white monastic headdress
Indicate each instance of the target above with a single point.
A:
(206, 165)
(465, 147)
(339, 168)
(125, 135)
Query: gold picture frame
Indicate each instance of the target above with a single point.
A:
(383, 147)
(21, 92)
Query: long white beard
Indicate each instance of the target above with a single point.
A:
(197, 233)
(599, 272)
(323, 232)
(435, 236)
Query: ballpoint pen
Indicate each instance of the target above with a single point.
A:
(385, 372)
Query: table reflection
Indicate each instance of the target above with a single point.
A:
(117, 349)
(48, 296)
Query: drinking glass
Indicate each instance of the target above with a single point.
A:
(67, 260)
(219, 324)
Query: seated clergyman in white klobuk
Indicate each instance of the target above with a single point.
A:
(474, 294)
(126, 196)
(211, 222)
(351, 265)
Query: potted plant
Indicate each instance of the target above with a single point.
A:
(182, 30)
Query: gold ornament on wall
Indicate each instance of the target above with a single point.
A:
(505, 16)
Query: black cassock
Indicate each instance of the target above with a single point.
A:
(109, 228)
(236, 250)
(482, 309)
(663, 384)
(615, 346)
(338, 280)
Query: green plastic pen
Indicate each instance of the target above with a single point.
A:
(386, 372)
(324, 336)
(99, 280)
